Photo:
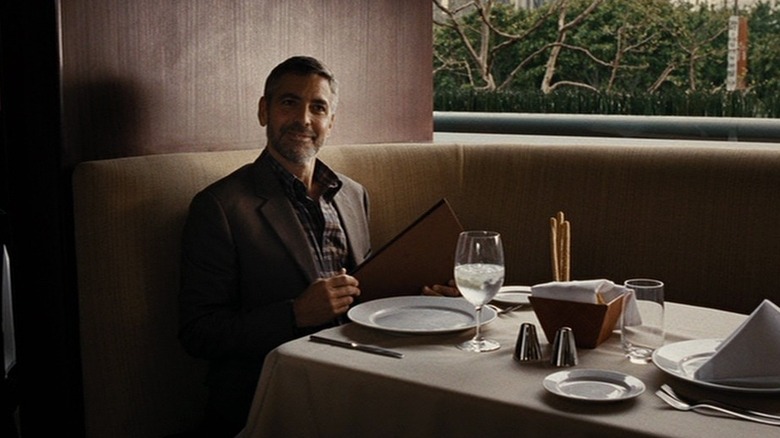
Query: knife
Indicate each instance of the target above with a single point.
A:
(356, 346)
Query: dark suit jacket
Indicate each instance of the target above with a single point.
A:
(245, 257)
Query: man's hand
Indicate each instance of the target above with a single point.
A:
(325, 299)
(441, 290)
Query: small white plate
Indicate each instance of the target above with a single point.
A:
(594, 385)
(513, 295)
(419, 314)
(682, 359)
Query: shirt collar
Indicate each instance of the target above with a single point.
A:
(295, 189)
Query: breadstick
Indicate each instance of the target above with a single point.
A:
(561, 244)
(566, 259)
(554, 249)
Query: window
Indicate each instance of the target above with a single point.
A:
(711, 62)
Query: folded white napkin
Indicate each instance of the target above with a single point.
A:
(588, 291)
(750, 356)
(584, 291)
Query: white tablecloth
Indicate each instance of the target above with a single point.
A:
(315, 390)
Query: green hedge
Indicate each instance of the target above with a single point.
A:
(575, 101)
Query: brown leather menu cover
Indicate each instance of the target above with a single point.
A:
(421, 255)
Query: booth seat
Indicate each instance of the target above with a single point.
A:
(704, 219)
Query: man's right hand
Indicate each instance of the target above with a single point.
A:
(325, 299)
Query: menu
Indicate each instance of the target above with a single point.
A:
(423, 254)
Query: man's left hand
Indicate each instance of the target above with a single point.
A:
(442, 290)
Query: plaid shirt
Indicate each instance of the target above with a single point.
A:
(319, 218)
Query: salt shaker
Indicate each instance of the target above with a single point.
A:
(564, 350)
(527, 348)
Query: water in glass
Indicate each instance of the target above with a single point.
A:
(479, 282)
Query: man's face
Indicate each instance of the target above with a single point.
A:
(298, 116)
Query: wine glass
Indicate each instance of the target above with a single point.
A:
(479, 274)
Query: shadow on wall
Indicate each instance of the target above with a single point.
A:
(103, 119)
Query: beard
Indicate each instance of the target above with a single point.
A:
(288, 143)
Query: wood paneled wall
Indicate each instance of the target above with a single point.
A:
(155, 76)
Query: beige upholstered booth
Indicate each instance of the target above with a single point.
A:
(702, 218)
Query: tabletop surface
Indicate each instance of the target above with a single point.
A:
(439, 390)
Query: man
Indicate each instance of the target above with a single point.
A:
(266, 250)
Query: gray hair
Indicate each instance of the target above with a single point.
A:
(301, 65)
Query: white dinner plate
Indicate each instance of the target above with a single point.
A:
(513, 295)
(594, 385)
(419, 314)
(682, 359)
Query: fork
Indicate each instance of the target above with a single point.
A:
(668, 389)
(681, 405)
(500, 311)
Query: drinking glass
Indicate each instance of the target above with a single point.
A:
(479, 274)
(642, 320)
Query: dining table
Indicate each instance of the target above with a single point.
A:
(309, 389)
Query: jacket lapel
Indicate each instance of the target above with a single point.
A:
(353, 218)
(281, 217)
